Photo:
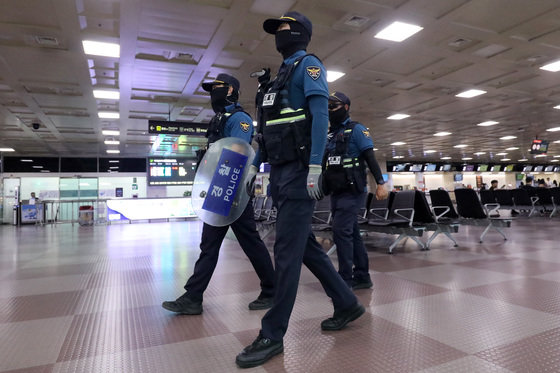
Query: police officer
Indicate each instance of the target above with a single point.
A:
(349, 149)
(294, 133)
(230, 120)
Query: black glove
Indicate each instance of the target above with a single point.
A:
(265, 77)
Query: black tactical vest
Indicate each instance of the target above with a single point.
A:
(286, 133)
(216, 126)
(342, 173)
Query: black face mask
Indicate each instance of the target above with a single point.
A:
(290, 41)
(218, 97)
(336, 117)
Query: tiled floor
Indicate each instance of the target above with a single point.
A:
(87, 299)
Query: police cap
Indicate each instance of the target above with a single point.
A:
(222, 79)
(339, 97)
(271, 24)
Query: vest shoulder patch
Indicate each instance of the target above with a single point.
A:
(244, 126)
(314, 72)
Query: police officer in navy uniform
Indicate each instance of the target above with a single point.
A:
(349, 149)
(230, 121)
(294, 134)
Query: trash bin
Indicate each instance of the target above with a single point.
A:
(85, 215)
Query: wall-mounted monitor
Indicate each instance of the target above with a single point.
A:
(429, 167)
(496, 168)
(519, 176)
(509, 168)
(527, 168)
(171, 171)
(539, 147)
(538, 169)
(458, 177)
(416, 167)
(468, 167)
(482, 168)
(445, 167)
(399, 167)
(549, 169)
(557, 169)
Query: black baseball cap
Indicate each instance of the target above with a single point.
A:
(271, 24)
(340, 97)
(222, 79)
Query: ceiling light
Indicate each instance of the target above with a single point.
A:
(555, 160)
(114, 167)
(429, 151)
(508, 137)
(557, 107)
(445, 158)
(26, 160)
(553, 129)
(556, 142)
(471, 93)
(512, 148)
(334, 75)
(466, 158)
(540, 156)
(45, 171)
(522, 160)
(113, 161)
(556, 156)
(398, 156)
(398, 143)
(108, 115)
(443, 133)
(398, 31)
(98, 48)
(479, 153)
(37, 166)
(255, 123)
(111, 95)
(112, 142)
(487, 123)
(113, 151)
(460, 146)
(553, 66)
(505, 159)
(398, 116)
(111, 132)
(7, 150)
(501, 153)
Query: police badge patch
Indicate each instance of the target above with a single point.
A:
(244, 126)
(366, 133)
(314, 72)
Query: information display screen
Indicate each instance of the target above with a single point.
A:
(445, 167)
(429, 167)
(482, 168)
(539, 147)
(538, 169)
(171, 171)
(509, 168)
(527, 168)
(416, 168)
(458, 177)
(496, 168)
(549, 168)
(399, 167)
(468, 167)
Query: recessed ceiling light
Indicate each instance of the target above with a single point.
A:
(334, 75)
(398, 31)
(466, 158)
(7, 150)
(471, 93)
(512, 148)
(255, 123)
(557, 107)
(556, 142)
(108, 115)
(114, 167)
(111, 95)
(501, 153)
(398, 116)
(113, 151)
(443, 133)
(111, 132)
(397, 143)
(460, 146)
(553, 129)
(508, 137)
(112, 142)
(479, 153)
(553, 66)
(114, 161)
(398, 156)
(556, 156)
(555, 160)
(37, 166)
(98, 48)
(522, 160)
(505, 159)
(444, 158)
(487, 123)
(26, 160)
(45, 171)
(375, 149)
(540, 156)
(429, 151)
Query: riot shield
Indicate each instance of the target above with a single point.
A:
(219, 193)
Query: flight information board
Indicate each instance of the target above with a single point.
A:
(171, 171)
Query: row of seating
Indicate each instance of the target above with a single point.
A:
(529, 199)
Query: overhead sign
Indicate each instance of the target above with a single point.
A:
(177, 128)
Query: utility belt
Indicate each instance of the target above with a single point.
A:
(343, 174)
(287, 136)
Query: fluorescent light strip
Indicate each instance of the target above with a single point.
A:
(112, 142)
(7, 150)
(26, 160)
(501, 153)
(540, 156)
(445, 158)
(553, 129)
(555, 160)
(430, 151)
(398, 31)
(512, 148)
(508, 137)
(505, 159)
(37, 166)
(557, 107)
(479, 153)
(471, 93)
(113, 161)
(104, 94)
(113, 151)
(109, 115)
(553, 66)
(397, 143)
(334, 75)
(443, 133)
(398, 116)
(522, 160)
(111, 132)
(98, 48)
(460, 146)
(466, 158)
(398, 156)
(487, 123)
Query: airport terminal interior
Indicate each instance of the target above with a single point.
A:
(101, 113)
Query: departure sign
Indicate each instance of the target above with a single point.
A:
(177, 128)
(171, 171)
(539, 147)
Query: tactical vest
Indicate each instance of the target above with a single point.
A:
(286, 133)
(216, 126)
(343, 173)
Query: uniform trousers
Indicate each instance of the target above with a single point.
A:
(295, 244)
(245, 230)
(353, 263)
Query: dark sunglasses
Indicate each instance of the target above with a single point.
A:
(335, 105)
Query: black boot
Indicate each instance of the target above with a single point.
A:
(183, 305)
(341, 318)
(259, 352)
